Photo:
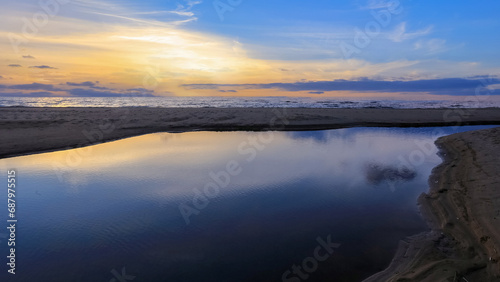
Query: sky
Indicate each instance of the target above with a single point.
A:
(404, 49)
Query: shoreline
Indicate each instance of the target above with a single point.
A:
(26, 130)
(462, 209)
(463, 241)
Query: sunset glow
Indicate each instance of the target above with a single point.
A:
(168, 49)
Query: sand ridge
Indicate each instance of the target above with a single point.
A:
(25, 130)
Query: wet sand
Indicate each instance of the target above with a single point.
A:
(463, 210)
(31, 130)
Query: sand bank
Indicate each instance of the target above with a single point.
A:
(31, 130)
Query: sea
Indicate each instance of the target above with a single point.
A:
(250, 102)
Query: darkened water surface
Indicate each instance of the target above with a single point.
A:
(86, 214)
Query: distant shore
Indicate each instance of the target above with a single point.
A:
(26, 130)
(463, 211)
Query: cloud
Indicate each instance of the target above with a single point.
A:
(316, 92)
(207, 86)
(34, 86)
(43, 67)
(378, 4)
(82, 92)
(14, 66)
(147, 22)
(444, 86)
(89, 84)
(95, 91)
(141, 90)
(400, 34)
(30, 94)
(90, 90)
(115, 11)
(28, 57)
(431, 46)
(100, 88)
(228, 91)
(192, 3)
(179, 13)
(86, 83)
(482, 77)
(42, 94)
(1, 77)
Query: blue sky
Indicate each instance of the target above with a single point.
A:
(167, 47)
(462, 30)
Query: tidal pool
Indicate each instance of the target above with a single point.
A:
(211, 206)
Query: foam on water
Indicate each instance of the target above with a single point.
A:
(248, 102)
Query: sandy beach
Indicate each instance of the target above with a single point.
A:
(462, 207)
(30, 130)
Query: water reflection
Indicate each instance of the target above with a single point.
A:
(377, 173)
(88, 211)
